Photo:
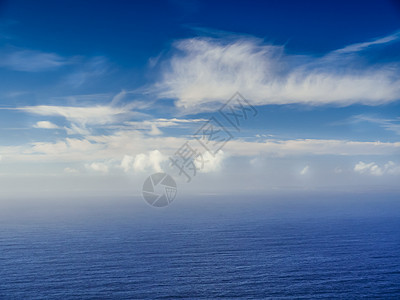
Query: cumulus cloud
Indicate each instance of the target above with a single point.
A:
(152, 160)
(373, 168)
(127, 163)
(154, 130)
(209, 162)
(70, 170)
(143, 162)
(392, 168)
(338, 170)
(206, 70)
(45, 125)
(305, 170)
(98, 167)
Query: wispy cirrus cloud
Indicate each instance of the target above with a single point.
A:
(206, 70)
(162, 122)
(152, 126)
(80, 69)
(83, 115)
(362, 46)
(388, 124)
(31, 60)
(83, 119)
(87, 70)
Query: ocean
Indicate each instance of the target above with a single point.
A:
(210, 247)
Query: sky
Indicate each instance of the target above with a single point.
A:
(95, 96)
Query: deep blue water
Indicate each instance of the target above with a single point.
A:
(220, 249)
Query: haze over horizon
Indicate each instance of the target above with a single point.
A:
(92, 106)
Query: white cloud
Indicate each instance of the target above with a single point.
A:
(338, 170)
(143, 162)
(388, 124)
(127, 163)
(154, 130)
(371, 168)
(90, 69)
(362, 46)
(67, 147)
(92, 147)
(153, 125)
(74, 129)
(392, 168)
(209, 162)
(50, 148)
(305, 170)
(118, 144)
(175, 122)
(94, 115)
(98, 167)
(152, 160)
(31, 61)
(374, 169)
(71, 170)
(205, 71)
(45, 125)
(276, 147)
(84, 119)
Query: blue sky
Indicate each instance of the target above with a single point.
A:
(94, 97)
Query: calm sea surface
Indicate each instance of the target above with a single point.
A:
(215, 249)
